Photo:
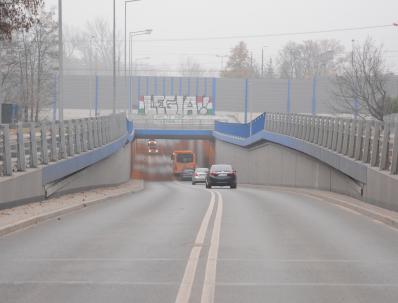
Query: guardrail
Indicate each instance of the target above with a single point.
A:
(29, 145)
(371, 142)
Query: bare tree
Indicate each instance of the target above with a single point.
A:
(240, 64)
(17, 15)
(361, 88)
(28, 66)
(191, 68)
(310, 58)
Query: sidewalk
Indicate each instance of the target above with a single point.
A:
(29, 214)
(383, 215)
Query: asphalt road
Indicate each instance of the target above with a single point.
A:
(177, 243)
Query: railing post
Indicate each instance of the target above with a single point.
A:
(385, 147)
(103, 127)
(394, 162)
(62, 142)
(21, 162)
(335, 134)
(330, 132)
(366, 142)
(44, 147)
(375, 145)
(100, 141)
(358, 141)
(54, 156)
(7, 161)
(33, 146)
(351, 144)
(84, 135)
(90, 134)
(316, 131)
(71, 147)
(78, 140)
(346, 135)
(95, 132)
(340, 135)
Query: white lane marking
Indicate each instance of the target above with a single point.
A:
(209, 285)
(184, 291)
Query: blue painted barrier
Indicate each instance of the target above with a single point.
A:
(243, 130)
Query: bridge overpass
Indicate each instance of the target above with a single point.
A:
(174, 242)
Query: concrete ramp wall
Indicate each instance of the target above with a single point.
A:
(272, 164)
(29, 186)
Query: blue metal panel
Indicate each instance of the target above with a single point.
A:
(180, 87)
(189, 86)
(205, 87)
(197, 87)
(214, 95)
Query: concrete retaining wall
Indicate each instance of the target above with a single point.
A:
(272, 164)
(28, 186)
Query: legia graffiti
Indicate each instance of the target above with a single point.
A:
(175, 105)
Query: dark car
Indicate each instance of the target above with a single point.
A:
(221, 175)
(186, 174)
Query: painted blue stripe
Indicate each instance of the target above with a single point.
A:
(197, 87)
(205, 87)
(170, 133)
(180, 87)
(189, 86)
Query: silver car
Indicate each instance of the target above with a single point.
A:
(200, 175)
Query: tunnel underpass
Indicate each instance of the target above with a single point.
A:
(156, 165)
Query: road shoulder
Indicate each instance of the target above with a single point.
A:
(383, 215)
(24, 216)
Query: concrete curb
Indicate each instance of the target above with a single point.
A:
(385, 216)
(63, 211)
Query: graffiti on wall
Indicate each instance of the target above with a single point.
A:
(175, 105)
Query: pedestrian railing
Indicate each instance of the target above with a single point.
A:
(29, 145)
(368, 141)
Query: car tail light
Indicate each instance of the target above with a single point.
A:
(196, 174)
(231, 174)
(214, 174)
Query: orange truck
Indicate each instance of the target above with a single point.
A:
(183, 159)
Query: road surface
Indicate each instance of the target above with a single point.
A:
(174, 242)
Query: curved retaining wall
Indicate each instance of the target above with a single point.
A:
(273, 164)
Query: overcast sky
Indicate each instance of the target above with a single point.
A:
(175, 19)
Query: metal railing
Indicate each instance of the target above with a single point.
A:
(29, 145)
(368, 141)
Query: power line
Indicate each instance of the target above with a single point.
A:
(346, 29)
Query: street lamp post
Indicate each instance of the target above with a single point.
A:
(125, 34)
(131, 35)
(61, 64)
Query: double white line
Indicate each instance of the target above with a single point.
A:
(208, 291)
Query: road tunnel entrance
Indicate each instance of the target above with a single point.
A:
(151, 158)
